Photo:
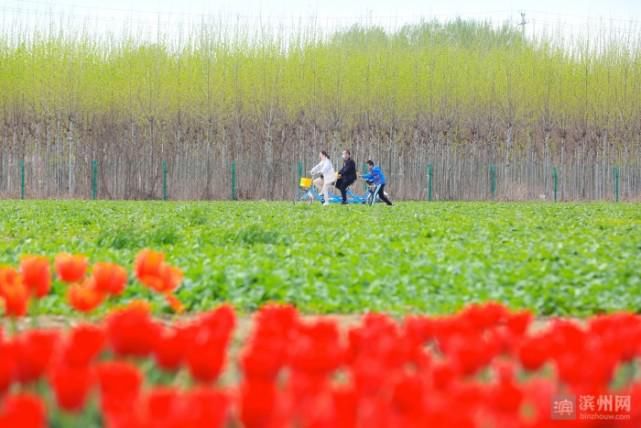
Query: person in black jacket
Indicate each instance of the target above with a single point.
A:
(347, 175)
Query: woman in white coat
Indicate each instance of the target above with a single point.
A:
(325, 168)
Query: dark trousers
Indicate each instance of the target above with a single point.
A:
(381, 194)
(342, 185)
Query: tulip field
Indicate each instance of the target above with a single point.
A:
(262, 314)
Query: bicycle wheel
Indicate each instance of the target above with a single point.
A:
(370, 198)
(302, 196)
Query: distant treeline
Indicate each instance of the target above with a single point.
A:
(466, 98)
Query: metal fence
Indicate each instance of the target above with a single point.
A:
(193, 176)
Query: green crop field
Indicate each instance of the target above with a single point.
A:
(575, 259)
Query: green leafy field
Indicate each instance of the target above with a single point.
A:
(573, 259)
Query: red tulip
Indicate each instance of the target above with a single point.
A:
(219, 322)
(110, 278)
(13, 293)
(161, 405)
(35, 350)
(205, 359)
(533, 353)
(408, 395)
(170, 348)
(8, 365)
(346, 406)
(132, 332)
(266, 351)
(263, 359)
(204, 407)
(482, 316)
(70, 268)
(443, 374)
(315, 348)
(507, 397)
(71, 386)
(257, 403)
(23, 410)
(85, 297)
(209, 338)
(9, 277)
(519, 322)
(119, 384)
(152, 271)
(148, 264)
(36, 275)
(84, 344)
(171, 278)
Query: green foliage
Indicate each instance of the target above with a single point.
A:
(444, 69)
(575, 259)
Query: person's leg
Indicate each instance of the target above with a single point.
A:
(344, 194)
(347, 184)
(326, 192)
(381, 194)
(318, 182)
(342, 186)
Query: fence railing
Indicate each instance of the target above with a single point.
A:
(196, 178)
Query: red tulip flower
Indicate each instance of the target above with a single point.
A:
(132, 332)
(71, 387)
(23, 410)
(36, 275)
(35, 351)
(257, 403)
(161, 404)
(13, 293)
(170, 348)
(8, 365)
(119, 384)
(84, 344)
(148, 265)
(204, 407)
(205, 360)
(85, 297)
(110, 278)
(70, 268)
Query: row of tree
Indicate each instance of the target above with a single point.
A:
(462, 97)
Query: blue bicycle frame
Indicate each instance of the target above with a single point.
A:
(312, 194)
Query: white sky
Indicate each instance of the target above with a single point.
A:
(566, 16)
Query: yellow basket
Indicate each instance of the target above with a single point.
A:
(305, 182)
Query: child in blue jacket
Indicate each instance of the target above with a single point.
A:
(376, 176)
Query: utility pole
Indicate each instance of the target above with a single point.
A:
(522, 24)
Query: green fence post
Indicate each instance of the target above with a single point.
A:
(94, 179)
(299, 170)
(616, 173)
(234, 195)
(555, 181)
(165, 195)
(430, 174)
(493, 181)
(21, 178)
